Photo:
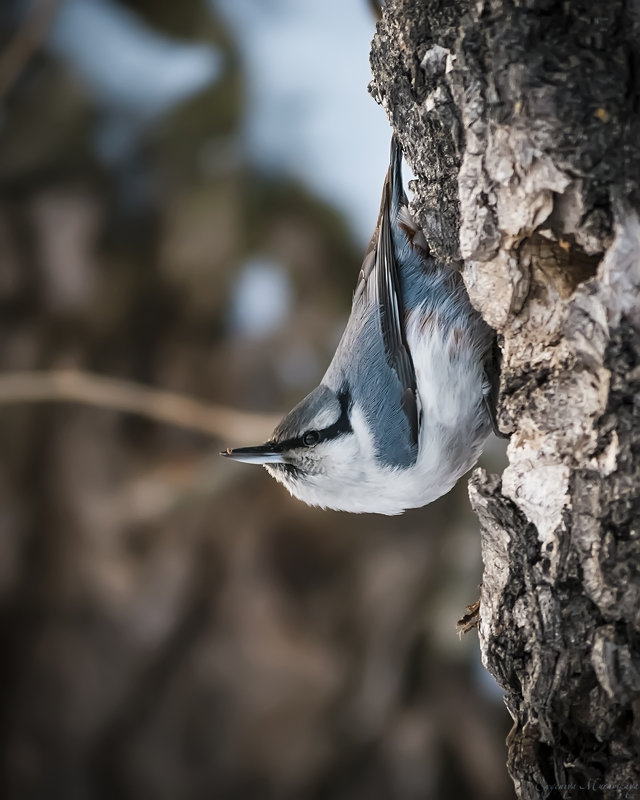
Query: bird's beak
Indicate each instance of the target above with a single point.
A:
(262, 454)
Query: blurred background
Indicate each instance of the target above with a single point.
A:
(186, 191)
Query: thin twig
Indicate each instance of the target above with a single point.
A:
(25, 43)
(72, 386)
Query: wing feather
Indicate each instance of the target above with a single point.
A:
(379, 283)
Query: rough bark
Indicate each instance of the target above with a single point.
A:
(520, 120)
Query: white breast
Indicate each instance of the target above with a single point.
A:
(450, 384)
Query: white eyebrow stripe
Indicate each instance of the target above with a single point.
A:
(327, 417)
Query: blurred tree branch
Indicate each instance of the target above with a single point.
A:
(26, 41)
(72, 386)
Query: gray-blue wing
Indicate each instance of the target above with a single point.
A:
(379, 283)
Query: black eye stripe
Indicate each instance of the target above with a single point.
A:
(341, 426)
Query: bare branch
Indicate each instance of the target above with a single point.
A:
(72, 386)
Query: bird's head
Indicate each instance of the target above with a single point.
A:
(321, 451)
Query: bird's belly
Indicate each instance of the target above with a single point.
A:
(451, 385)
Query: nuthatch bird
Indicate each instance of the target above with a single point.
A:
(409, 398)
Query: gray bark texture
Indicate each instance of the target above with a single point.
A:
(520, 120)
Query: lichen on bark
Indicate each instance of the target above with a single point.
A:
(521, 123)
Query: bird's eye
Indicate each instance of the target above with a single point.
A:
(311, 438)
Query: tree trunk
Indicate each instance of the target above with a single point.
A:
(520, 120)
